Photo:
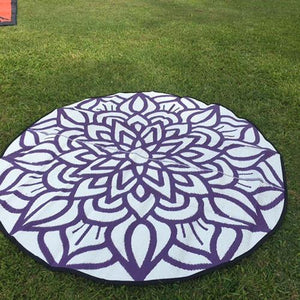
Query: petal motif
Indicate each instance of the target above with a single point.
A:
(102, 217)
(187, 212)
(83, 235)
(174, 146)
(123, 135)
(139, 103)
(227, 243)
(152, 134)
(45, 212)
(187, 259)
(178, 130)
(162, 185)
(196, 235)
(193, 186)
(90, 259)
(88, 188)
(70, 118)
(53, 246)
(208, 117)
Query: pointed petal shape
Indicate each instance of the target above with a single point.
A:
(92, 257)
(208, 117)
(225, 240)
(70, 118)
(189, 259)
(140, 243)
(47, 211)
(87, 189)
(105, 216)
(83, 235)
(118, 236)
(190, 210)
(195, 187)
(163, 233)
(164, 188)
(54, 244)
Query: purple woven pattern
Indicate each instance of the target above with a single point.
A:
(139, 187)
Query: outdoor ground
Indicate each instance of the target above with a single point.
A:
(242, 54)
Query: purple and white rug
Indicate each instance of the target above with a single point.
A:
(140, 187)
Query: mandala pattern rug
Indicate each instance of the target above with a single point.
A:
(139, 187)
(8, 12)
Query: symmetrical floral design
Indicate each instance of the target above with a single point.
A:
(138, 187)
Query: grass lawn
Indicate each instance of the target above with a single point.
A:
(242, 54)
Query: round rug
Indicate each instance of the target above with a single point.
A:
(138, 187)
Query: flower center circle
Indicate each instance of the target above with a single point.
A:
(139, 156)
